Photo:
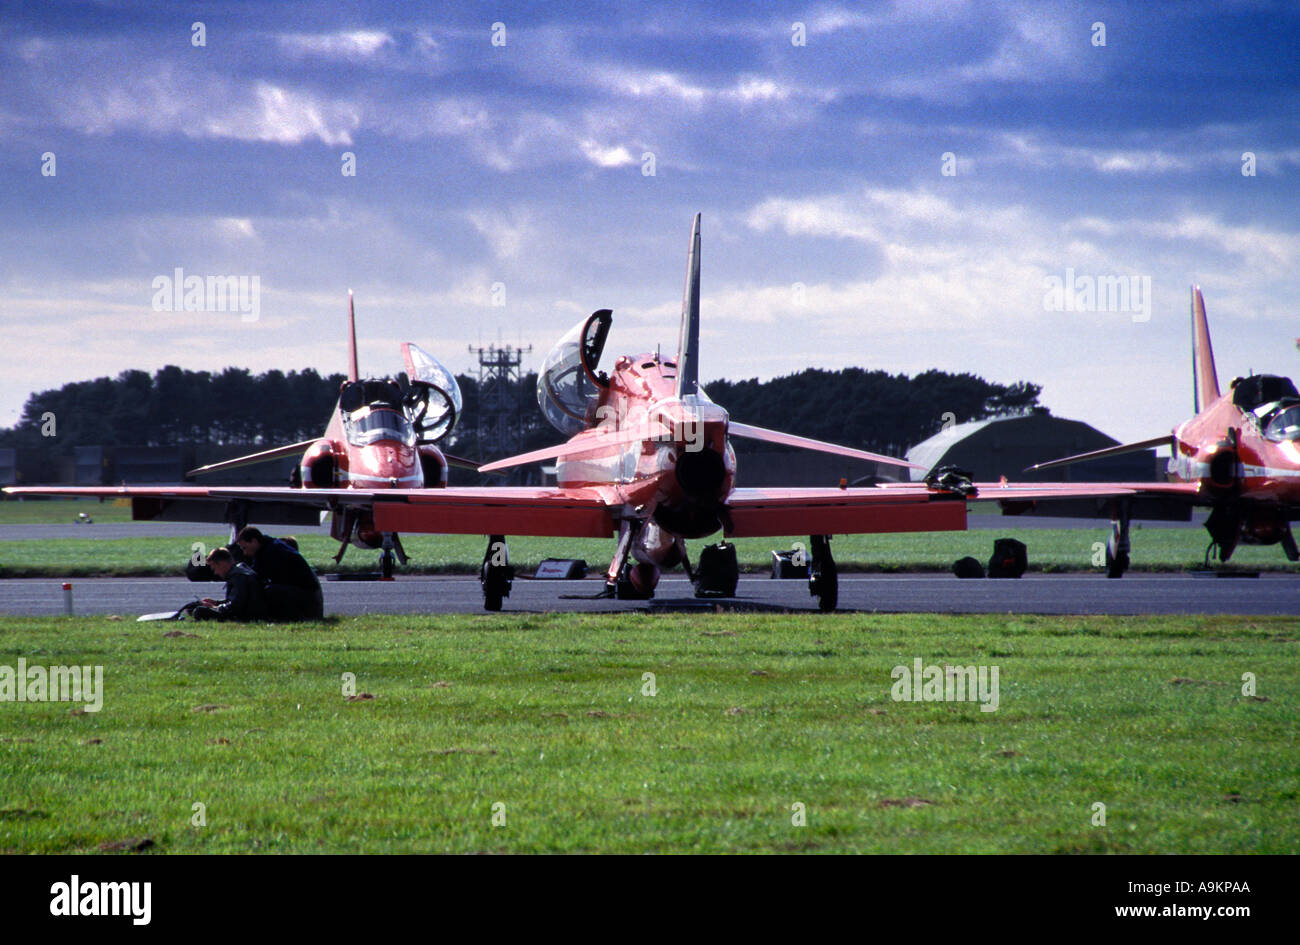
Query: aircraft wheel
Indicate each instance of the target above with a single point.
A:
(1116, 564)
(626, 590)
(386, 566)
(827, 591)
(823, 580)
(496, 586)
(496, 575)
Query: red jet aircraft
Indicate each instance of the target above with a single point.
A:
(1240, 456)
(382, 435)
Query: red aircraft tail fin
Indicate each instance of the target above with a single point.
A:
(688, 343)
(1205, 382)
(353, 373)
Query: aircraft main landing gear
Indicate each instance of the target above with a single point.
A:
(823, 581)
(1224, 526)
(618, 582)
(1117, 547)
(497, 575)
(1288, 543)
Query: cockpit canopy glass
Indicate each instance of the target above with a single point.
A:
(1283, 423)
(564, 392)
(435, 400)
(369, 425)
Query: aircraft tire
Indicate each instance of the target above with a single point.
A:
(828, 592)
(823, 577)
(1116, 565)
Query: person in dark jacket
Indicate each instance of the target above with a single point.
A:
(290, 583)
(244, 597)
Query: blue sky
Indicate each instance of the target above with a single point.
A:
(831, 235)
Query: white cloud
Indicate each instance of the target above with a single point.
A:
(237, 228)
(506, 234)
(606, 156)
(355, 44)
(1036, 40)
(282, 115)
(1264, 250)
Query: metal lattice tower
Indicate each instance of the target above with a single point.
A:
(500, 399)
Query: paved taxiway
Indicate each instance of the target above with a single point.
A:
(1136, 593)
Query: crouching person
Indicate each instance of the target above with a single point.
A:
(292, 589)
(245, 599)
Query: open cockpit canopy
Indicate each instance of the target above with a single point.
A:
(569, 385)
(1274, 403)
(1250, 393)
(433, 400)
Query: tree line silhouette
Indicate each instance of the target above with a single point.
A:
(872, 410)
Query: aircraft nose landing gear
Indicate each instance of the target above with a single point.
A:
(497, 575)
(823, 581)
(392, 549)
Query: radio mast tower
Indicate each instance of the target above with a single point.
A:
(500, 399)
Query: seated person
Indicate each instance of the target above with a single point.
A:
(244, 598)
(290, 583)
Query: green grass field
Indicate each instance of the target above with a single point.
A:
(61, 511)
(1066, 549)
(548, 716)
(1155, 549)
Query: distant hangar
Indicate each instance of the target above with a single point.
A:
(1007, 446)
(989, 449)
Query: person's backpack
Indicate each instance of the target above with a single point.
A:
(1010, 559)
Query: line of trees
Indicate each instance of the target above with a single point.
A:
(871, 410)
(176, 407)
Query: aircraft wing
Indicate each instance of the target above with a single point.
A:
(262, 505)
(252, 459)
(749, 432)
(585, 512)
(1031, 491)
(588, 512)
(1166, 440)
(478, 510)
(830, 511)
(911, 507)
(1170, 501)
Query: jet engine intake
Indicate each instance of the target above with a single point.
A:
(318, 467)
(700, 473)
